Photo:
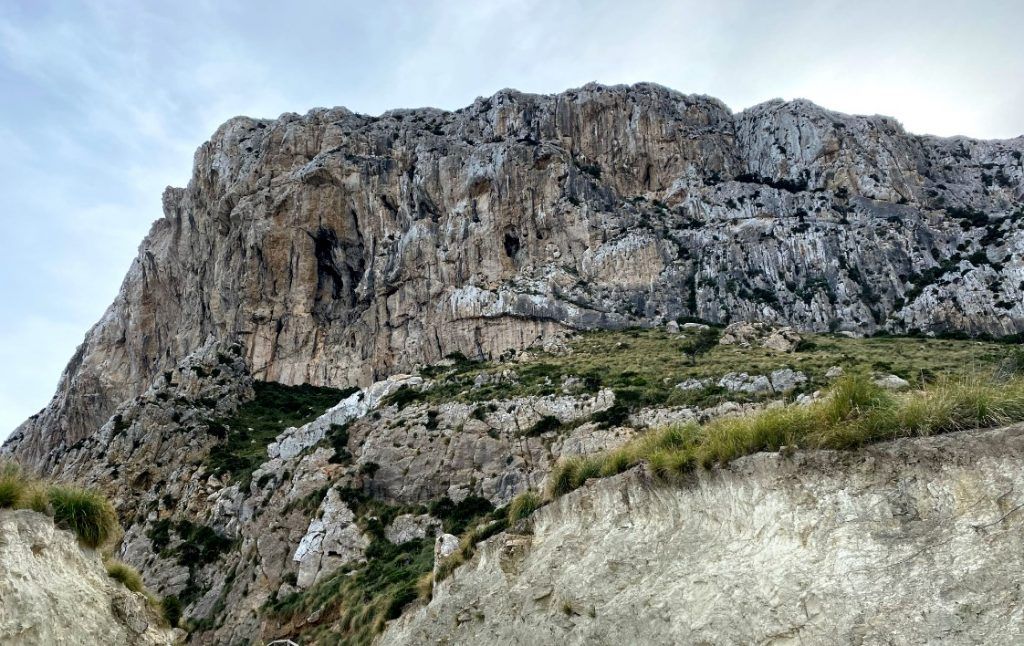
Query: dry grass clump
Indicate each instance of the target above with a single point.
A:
(86, 513)
(523, 505)
(128, 576)
(855, 412)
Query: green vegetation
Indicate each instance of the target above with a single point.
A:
(523, 505)
(85, 513)
(128, 576)
(543, 425)
(855, 412)
(170, 608)
(200, 544)
(19, 491)
(498, 522)
(357, 600)
(256, 423)
(643, 366)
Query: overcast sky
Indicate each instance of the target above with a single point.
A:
(103, 103)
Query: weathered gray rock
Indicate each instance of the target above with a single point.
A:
(53, 592)
(409, 527)
(912, 542)
(332, 540)
(786, 380)
(694, 384)
(892, 382)
(747, 334)
(339, 248)
(741, 382)
(444, 546)
(784, 339)
(295, 440)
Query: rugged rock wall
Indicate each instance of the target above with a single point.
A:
(912, 542)
(54, 593)
(337, 248)
(286, 526)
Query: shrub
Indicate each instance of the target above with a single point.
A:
(170, 607)
(86, 513)
(523, 505)
(246, 434)
(543, 425)
(358, 601)
(126, 574)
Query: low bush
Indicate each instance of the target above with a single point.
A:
(246, 434)
(855, 412)
(543, 425)
(170, 608)
(12, 486)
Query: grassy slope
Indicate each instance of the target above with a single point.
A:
(853, 413)
(643, 366)
(258, 422)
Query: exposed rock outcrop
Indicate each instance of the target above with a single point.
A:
(912, 542)
(372, 254)
(337, 248)
(55, 593)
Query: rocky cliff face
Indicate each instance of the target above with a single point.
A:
(913, 542)
(338, 248)
(53, 592)
(381, 258)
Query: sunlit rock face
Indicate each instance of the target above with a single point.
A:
(892, 544)
(337, 248)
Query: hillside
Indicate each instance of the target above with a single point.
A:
(355, 348)
(337, 248)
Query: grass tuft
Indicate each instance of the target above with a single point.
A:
(855, 412)
(523, 505)
(86, 513)
(12, 486)
(128, 576)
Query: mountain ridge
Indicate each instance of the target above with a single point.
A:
(628, 183)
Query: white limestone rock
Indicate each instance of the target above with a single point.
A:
(332, 539)
(410, 527)
(892, 382)
(52, 591)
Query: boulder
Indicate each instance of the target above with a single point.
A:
(786, 380)
(892, 382)
(410, 527)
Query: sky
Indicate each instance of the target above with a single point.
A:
(103, 103)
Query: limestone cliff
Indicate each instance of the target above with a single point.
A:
(911, 542)
(55, 593)
(381, 259)
(337, 248)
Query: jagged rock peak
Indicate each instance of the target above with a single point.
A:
(338, 248)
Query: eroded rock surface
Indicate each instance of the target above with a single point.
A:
(337, 248)
(911, 542)
(55, 593)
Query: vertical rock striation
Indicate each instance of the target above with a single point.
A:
(337, 248)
